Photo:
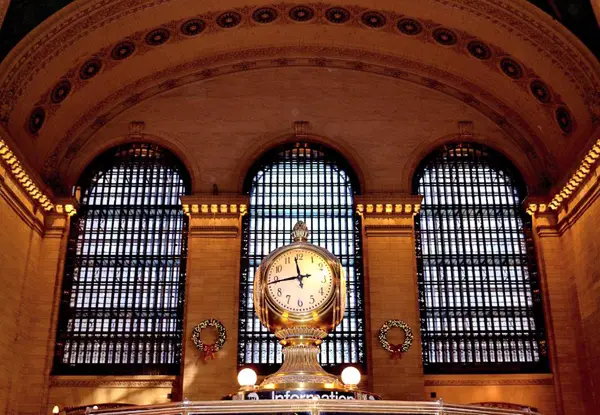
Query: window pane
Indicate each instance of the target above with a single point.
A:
(478, 283)
(122, 303)
(301, 182)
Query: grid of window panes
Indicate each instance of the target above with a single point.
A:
(122, 300)
(302, 182)
(479, 292)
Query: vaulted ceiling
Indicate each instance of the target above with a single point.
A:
(233, 76)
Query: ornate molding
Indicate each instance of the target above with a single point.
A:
(231, 205)
(388, 215)
(101, 383)
(491, 56)
(372, 62)
(215, 216)
(388, 206)
(214, 209)
(19, 174)
(80, 20)
(488, 382)
(573, 185)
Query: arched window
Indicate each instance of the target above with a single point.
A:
(308, 182)
(479, 292)
(123, 289)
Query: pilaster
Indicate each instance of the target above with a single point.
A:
(391, 284)
(563, 320)
(212, 284)
(39, 311)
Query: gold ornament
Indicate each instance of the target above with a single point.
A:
(299, 294)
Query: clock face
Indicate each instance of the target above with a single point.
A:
(300, 280)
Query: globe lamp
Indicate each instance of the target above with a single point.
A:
(351, 377)
(247, 379)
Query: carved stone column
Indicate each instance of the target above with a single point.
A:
(563, 321)
(212, 285)
(392, 293)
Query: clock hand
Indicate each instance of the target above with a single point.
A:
(297, 267)
(301, 277)
(284, 279)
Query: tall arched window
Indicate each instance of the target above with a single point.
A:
(123, 289)
(308, 182)
(479, 292)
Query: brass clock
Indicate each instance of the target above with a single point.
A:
(299, 294)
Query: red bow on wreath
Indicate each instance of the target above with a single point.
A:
(396, 350)
(208, 352)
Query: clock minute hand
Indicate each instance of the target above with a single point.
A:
(284, 279)
(297, 266)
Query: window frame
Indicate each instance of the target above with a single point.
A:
(267, 159)
(497, 162)
(104, 164)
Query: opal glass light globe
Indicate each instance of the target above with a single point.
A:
(351, 376)
(247, 377)
(56, 409)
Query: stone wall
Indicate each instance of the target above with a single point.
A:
(20, 241)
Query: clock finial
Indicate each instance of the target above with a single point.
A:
(300, 232)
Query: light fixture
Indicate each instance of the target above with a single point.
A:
(247, 378)
(56, 409)
(351, 377)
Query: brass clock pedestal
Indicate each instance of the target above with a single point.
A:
(300, 295)
(301, 369)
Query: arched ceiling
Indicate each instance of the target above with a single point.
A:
(529, 87)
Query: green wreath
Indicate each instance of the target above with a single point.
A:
(209, 350)
(395, 348)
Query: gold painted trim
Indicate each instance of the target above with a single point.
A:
(103, 383)
(67, 209)
(385, 209)
(570, 188)
(214, 209)
(487, 382)
(22, 178)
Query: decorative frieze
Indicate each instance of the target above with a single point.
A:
(389, 214)
(574, 184)
(22, 178)
(388, 205)
(215, 216)
(214, 209)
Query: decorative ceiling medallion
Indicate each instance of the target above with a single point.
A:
(511, 68)
(36, 120)
(193, 27)
(301, 13)
(337, 15)
(373, 19)
(60, 91)
(564, 120)
(90, 69)
(479, 50)
(445, 37)
(264, 15)
(409, 27)
(229, 19)
(157, 37)
(540, 91)
(122, 51)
